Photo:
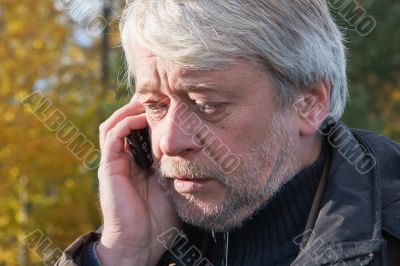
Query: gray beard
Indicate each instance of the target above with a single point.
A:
(261, 175)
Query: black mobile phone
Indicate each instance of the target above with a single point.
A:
(140, 146)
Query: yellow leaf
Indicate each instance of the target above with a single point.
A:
(8, 116)
(37, 43)
(396, 95)
(69, 183)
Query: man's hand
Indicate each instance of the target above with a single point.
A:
(133, 205)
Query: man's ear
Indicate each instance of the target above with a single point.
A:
(313, 107)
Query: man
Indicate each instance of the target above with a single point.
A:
(242, 100)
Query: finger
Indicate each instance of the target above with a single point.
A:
(130, 109)
(134, 98)
(126, 147)
(115, 138)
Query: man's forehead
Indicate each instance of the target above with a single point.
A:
(154, 68)
(153, 72)
(151, 77)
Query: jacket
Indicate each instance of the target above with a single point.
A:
(355, 217)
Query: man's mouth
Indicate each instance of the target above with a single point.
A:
(184, 184)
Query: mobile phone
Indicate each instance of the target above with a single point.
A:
(140, 146)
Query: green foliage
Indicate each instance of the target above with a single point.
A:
(374, 68)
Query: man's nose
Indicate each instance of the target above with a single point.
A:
(178, 134)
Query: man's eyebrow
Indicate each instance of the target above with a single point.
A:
(145, 89)
(201, 87)
(148, 88)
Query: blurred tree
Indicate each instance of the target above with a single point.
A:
(43, 185)
(374, 69)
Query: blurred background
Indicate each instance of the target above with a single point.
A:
(62, 74)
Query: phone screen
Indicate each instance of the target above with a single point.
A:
(140, 146)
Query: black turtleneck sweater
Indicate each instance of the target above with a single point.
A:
(271, 236)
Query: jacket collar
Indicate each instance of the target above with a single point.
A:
(348, 224)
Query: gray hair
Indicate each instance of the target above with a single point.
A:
(297, 41)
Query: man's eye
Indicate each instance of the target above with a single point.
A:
(210, 109)
(156, 109)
